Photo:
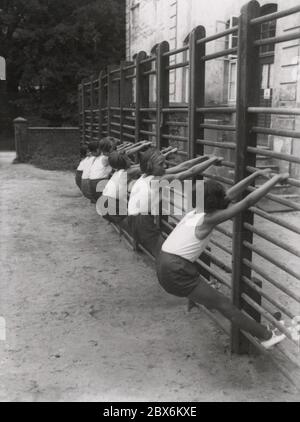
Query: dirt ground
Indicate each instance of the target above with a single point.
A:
(86, 319)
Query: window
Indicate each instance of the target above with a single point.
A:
(2, 69)
(268, 30)
(135, 14)
(267, 76)
(232, 42)
(232, 81)
(232, 39)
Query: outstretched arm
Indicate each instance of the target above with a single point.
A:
(169, 152)
(194, 171)
(223, 215)
(137, 147)
(187, 165)
(123, 146)
(240, 187)
(166, 149)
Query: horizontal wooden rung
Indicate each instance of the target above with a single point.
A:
(278, 132)
(279, 39)
(176, 138)
(275, 198)
(225, 128)
(222, 53)
(225, 145)
(273, 154)
(127, 135)
(272, 110)
(276, 220)
(229, 110)
(232, 30)
(267, 237)
(128, 127)
(276, 15)
(183, 124)
(177, 65)
(176, 51)
(149, 72)
(175, 110)
(259, 290)
(146, 132)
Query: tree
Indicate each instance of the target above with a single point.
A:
(50, 46)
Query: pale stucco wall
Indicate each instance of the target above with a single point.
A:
(154, 21)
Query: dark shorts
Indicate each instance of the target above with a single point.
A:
(93, 186)
(146, 233)
(116, 218)
(78, 177)
(85, 188)
(176, 275)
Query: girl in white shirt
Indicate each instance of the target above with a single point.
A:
(153, 168)
(93, 148)
(80, 168)
(100, 170)
(114, 202)
(176, 269)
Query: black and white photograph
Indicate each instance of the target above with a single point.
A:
(149, 203)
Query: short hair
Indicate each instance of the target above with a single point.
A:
(107, 145)
(146, 159)
(83, 150)
(119, 160)
(93, 146)
(214, 196)
(114, 141)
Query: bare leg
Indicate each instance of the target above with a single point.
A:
(206, 295)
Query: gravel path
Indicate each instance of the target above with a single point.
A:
(86, 319)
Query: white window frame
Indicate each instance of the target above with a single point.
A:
(232, 62)
(232, 36)
(135, 5)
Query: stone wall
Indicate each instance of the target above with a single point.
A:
(47, 147)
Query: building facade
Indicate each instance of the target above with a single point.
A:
(149, 22)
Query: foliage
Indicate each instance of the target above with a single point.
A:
(50, 46)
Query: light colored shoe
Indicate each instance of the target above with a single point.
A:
(295, 329)
(275, 339)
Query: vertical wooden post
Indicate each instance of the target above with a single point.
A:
(142, 93)
(196, 91)
(196, 100)
(83, 105)
(162, 92)
(247, 96)
(80, 110)
(100, 104)
(126, 91)
(92, 102)
(112, 96)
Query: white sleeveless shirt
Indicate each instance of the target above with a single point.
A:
(82, 164)
(140, 197)
(87, 167)
(100, 168)
(183, 241)
(116, 187)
